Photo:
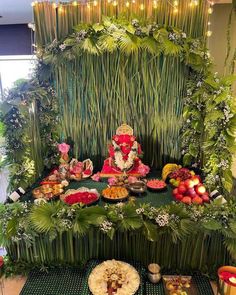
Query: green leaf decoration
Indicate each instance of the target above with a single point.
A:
(90, 46)
(212, 225)
(187, 159)
(151, 45)
(150, 231)
(81, 224)
(43, 217)
(232, 226)
(128, 43)
(98, 27)
(107, 43)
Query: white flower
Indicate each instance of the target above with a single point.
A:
(139, 211)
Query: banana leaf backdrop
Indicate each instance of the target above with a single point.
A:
(97, 93)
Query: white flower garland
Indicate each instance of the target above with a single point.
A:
(120, 162)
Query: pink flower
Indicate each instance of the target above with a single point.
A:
(143, 169)
(63, 148)
(112, 180)
(96, 177)
(132, 179)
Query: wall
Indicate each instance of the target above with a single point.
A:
(15, 40)
(218, 40)
(218, 43)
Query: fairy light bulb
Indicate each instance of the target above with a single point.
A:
(74, 3)
(209, 33)
(176, 3)
(175, 10)
(210, 10)
(195, 2)
(95, 3)
(32, 4)
(142, 7)
(54, 5)
(127, 4)
(115, 3)
(60, 9)
(209, 23)
(133, 1)
(108, 1)
(88, 6)
(155, 4)
(191, 4)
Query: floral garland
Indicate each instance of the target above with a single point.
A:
(128, 37)
(120, 162)
(209, 130)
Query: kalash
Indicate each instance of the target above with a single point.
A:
(124, 153)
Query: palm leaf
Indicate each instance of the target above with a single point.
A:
(90, 46)
(107, 43)
(43, 217)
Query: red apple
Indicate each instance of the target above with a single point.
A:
(175, 191)
(191, 192)
(196, 180)
(189, 183)
(205, 197)
(186, 200)
(179, 197)
(200, 189)
(182, 189)
(197, 200)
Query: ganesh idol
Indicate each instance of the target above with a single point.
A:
(124, 155)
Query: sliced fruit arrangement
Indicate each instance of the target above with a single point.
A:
(191, 191)
(156, 184)
(179, 175)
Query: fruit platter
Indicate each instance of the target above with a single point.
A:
(179, 175)
(179, 285)
(156, 185)
(191, 191)
(114, 277)
(82, 196)
(115, 193)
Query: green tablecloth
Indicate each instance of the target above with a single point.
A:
(156, 199)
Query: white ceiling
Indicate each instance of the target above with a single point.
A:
(20, 11)
(15, 11)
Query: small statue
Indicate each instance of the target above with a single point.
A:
(124, 155)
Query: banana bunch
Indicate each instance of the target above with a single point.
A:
(169, 168)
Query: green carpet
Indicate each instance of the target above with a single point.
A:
(72, 281)
(156, 199)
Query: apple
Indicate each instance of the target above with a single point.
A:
(197, 200)
(189, 183)
(200, 189)
(182, 189)
(205, 197)
(175, 191)
(186, 200)
(179, 197)
(196, 180)
(191, 192)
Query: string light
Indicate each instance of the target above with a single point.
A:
(88, 6)
(209, 23)
(175, 10)
(95, 3)
(133, 1)
(61, 9)
(142, 7)
(209, 33)
(114, 3)
(127, 4)
(176, 3)
(54, 5)
(210, 10)
(195, 2)
(74, 3)
(155, 4)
